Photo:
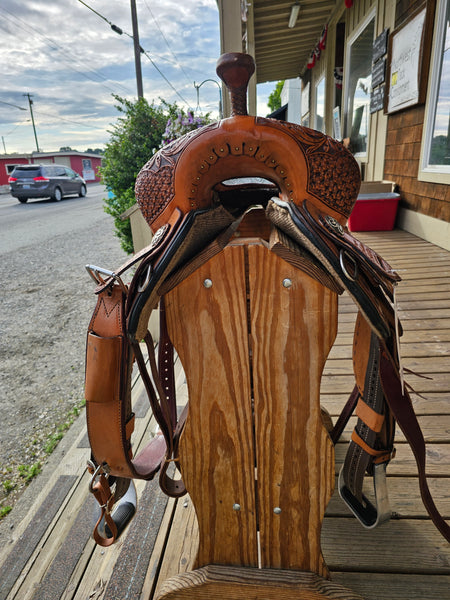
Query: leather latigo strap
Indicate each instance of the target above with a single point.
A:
(402, 409)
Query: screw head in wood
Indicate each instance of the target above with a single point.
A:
(207, 283)
(277, 510)
(287, 283)
(236, 507)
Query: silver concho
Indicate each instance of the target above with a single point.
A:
(159, 236)
(334, 225)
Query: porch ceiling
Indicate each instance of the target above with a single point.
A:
(280, 52)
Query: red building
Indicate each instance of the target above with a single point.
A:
(85, 164)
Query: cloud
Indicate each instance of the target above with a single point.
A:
(72, 62)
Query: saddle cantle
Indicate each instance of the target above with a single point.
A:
(304, 164)
(195, 194)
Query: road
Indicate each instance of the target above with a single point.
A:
(37, 221)
(46, 302)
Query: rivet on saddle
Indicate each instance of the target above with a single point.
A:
(249, 254)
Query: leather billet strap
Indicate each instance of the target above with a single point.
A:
(371, 445)
(114, 336)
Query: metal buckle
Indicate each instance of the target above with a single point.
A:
(345, 254)
(143, 286)
(97, 470)
(95, 273)
(368, 515)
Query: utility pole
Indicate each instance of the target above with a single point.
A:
(30, 102)
(137, 49)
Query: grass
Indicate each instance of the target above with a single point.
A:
(28, 472)
(4, 510)
(55, 438)
(8, 486)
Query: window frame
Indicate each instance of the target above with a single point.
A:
(321, 80)
(353, 36)
(433, 173)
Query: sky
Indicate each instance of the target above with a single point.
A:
(70, 62)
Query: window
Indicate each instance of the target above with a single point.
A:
(358, 77)
(435, 157)
(320, 106)
(305, 105)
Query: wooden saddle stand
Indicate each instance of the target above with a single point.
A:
(249, 253)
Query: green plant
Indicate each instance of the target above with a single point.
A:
(138, 133)
(4, 510)
(28, 472)
(55, 438)
(274, 100)
(8, 485)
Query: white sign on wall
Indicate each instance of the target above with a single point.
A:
(405, 64)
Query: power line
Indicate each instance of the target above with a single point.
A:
(15, 105)
(40, 112)
(121, 31)
(177, 62)
(18, 125)
(165, 78)
(69, 57)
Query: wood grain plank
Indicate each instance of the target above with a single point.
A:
(404, 546)
(292, 331)
(208, 327)
(374, 586)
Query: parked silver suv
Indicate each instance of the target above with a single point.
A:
(45, 181)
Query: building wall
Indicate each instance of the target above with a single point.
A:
(4, 162)
(403, 146)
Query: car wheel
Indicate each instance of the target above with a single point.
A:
(57, 194)
(82, 191)
(22, 200)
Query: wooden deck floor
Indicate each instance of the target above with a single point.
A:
(47, 552)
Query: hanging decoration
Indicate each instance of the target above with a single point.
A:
(321, 44)
(323, 38)
(338, 77)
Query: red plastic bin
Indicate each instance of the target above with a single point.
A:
(374, 212)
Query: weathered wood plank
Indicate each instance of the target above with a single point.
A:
(438, 460)
(435, 404)
(292, 331)
(182, 544)
(414, 350)
(402, 546)
(435, 429)
(425, 366)
(341, 384)
(374, 586)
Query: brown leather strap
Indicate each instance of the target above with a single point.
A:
(166, 364)
(403, 411)
(105, 499)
